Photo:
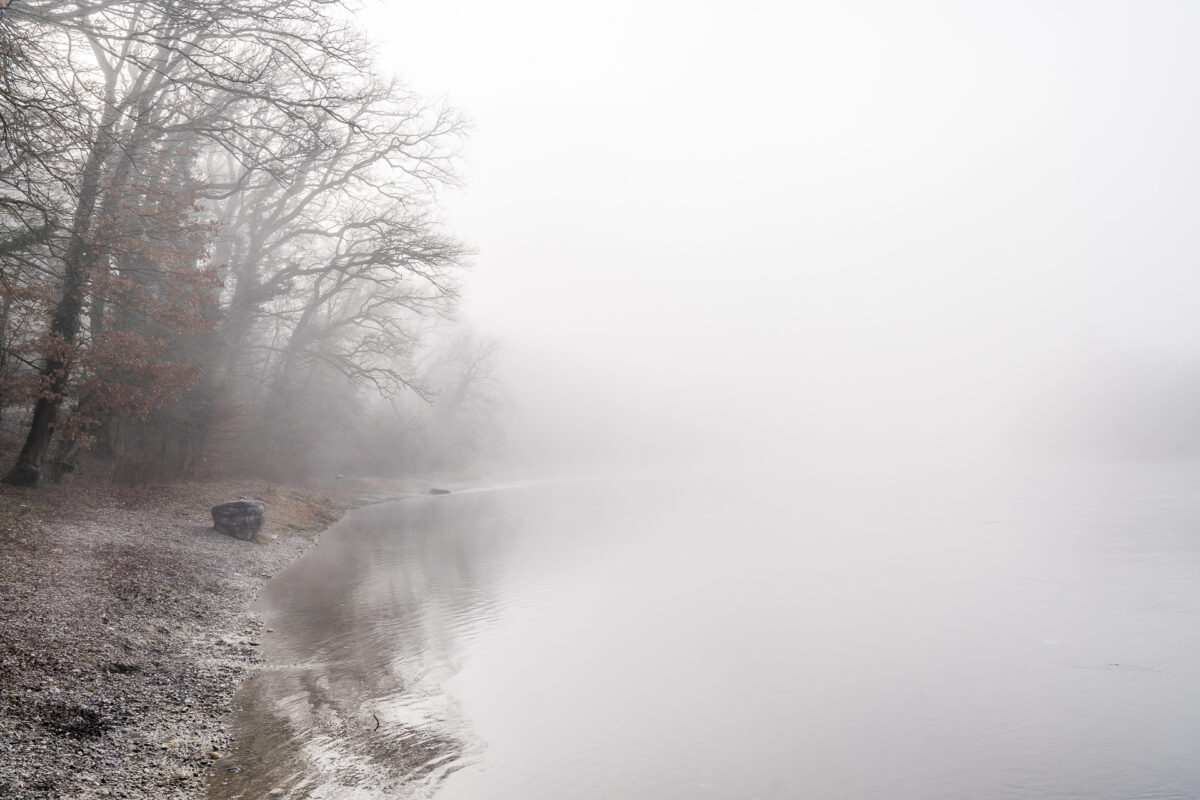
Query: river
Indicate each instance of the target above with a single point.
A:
(902, 635)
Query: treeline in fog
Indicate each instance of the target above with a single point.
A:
(217, 249)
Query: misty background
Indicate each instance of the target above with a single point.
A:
(630, 236)
(865, 228)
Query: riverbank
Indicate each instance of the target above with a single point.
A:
(125, 628)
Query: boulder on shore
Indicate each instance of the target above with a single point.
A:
(241, 519)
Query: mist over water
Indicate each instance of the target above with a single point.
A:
(852, 363)
(823, 228)
(1024, 636)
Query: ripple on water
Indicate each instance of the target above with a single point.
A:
(796, 643)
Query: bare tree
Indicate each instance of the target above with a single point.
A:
(330, 250)
(199, 71)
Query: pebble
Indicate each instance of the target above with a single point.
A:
(127, 639)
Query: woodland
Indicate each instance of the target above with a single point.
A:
(220, 250)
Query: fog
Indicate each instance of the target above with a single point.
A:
(817, 227)
(877, 321)
(703, 400)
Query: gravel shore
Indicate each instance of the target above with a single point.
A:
(125, 629)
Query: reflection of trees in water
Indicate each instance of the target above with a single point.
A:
(367, 626)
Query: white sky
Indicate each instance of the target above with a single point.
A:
(818, 215)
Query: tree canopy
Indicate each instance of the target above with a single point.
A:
(217, 234)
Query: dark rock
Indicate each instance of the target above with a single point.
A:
(241, 519)
(439, 491)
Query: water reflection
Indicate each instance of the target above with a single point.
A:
(857, 636)
(364, 631)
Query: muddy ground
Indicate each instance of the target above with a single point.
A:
(125, 628)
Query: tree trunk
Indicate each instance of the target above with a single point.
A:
(64, 323)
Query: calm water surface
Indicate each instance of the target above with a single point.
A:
(1032, 635)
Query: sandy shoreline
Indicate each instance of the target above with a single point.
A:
(125, 629)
